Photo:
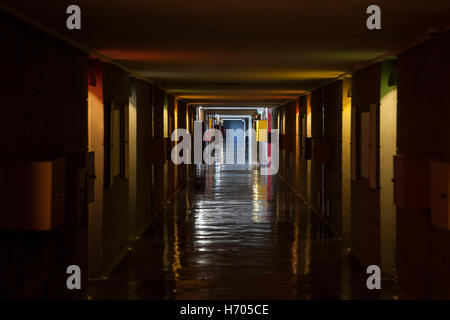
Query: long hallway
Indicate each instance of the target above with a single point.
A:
(225, 150)
(233, 233)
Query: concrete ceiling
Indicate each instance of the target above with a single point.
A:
(239, 52)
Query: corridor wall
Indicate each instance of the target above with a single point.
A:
(57, 103)
(326, 164)
(303, 148)
(374, 105)
(116, 92)
(158, 122)
(315, 123)
(145, 192)
(365, 200)
(423, 131)
(96, 168)
(43, 115)
(287, 141)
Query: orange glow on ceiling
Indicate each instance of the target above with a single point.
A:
(161, 56)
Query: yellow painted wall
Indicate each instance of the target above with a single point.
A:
(308, 135)
(95, 136)
(132, 118)
(388, 148)
(346, 178)
(261, 130)
(346, 175)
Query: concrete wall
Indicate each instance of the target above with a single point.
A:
(316, 133)
(365, 201)
(401, 241)
(287, 127)
(50, 110)
(333, 172)
(320, 116)
(299, 158)
(373, 227)
(135, 194)
(423, 129)
(145, 196)
(158, 133)
(308, 135)
(181, 123)
(326, 189)
(293, 163)
(96, 133)
(169, 163)
(388, 148)
(43, 114)
(346, 153)
(116, 92)
(132, 184)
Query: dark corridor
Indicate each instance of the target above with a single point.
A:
(116, 180)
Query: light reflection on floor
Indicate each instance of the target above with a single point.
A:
(235, 234)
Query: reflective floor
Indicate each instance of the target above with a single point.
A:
(235, 234)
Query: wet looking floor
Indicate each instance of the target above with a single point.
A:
(233, 233)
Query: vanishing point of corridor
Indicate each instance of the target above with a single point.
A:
(233, 233)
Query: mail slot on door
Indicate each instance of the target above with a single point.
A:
(412, 182)
(32, 194)
(440, 191)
